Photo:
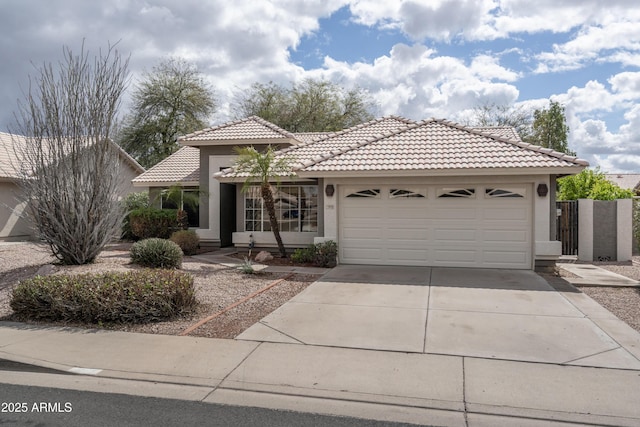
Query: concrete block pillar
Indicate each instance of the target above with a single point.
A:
(585, 230)
(625, 229)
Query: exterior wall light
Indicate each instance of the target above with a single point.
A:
(542, 190)
(329, 190)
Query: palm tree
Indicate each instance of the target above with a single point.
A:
(262, 168)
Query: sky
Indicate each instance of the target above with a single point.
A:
(416, 59)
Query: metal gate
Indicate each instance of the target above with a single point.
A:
(567, 226)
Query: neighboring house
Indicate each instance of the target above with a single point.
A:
(626, 181)
(390, 192)
(13, 225)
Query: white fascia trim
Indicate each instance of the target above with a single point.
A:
(448, 172)
(166, 183)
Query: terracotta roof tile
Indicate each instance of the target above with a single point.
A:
(182, 166)
(252, 127)
(335, 142)
(436, 145)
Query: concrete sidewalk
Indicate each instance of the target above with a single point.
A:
(394, 386)
(591, 275)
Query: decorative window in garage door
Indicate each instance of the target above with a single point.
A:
(465, 193)
(516, 192)
(370, 193)
(401, 193)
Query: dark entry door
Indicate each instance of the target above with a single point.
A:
(227, 213)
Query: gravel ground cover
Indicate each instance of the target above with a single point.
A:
(216, 288)
(621, 301)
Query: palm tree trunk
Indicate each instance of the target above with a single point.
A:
(269, 204)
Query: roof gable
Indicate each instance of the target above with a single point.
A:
(252, 128)
(183, 167)
(10, 164)
(335, 141)
(437, 145)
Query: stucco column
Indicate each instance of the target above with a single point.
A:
(585, 230)
(330, 208)
(624, 213)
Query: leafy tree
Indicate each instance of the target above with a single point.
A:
(550, 128)
(262, 168)
(590, 184)
(310, 106)
(492, 114)
(70, 168)
(172, 100)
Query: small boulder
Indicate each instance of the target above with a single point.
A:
(264, 256)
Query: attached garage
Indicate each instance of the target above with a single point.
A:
(438, 225)
(431, 193)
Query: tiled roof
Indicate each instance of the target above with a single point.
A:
(182, 166)
(252, 127)
(10, 166)
(502, 131)
(628, 181)
(435, 145)
(310, 136)
(335, 141)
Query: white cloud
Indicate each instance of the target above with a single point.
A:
(618, 41)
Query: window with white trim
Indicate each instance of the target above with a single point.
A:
(403, 193)
(370, 193)
(464, 193)
(492, 193)
(296, 208)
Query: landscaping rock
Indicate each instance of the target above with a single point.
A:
(264, 256)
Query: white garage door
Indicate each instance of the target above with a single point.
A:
(486, 226)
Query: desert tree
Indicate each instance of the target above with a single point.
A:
(261, 169)
(171, 100)
(69, 167)
(312, 105)
(492, 114)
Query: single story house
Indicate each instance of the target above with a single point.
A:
(13, 224)
(390, 192)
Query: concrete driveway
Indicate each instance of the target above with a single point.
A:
(501, 314)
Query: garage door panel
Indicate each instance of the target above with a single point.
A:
(505, 257)
(407, 234)
(455, 256)
(363, 233)
(400, 255)
(458, 235)
(357, 212)
(507, 214)
(362, 255)
(475, 231)
(459, 212)
(491, 236)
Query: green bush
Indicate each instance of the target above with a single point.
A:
(326, 254)
(132, 297)
(152, 222)
(156, 253)
(304, 255)
(132, 202)
(321, 254)
(188, 241)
